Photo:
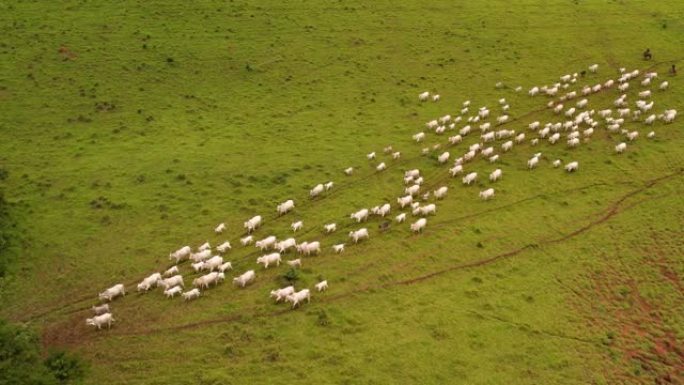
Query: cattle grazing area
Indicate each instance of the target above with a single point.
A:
(357, 192)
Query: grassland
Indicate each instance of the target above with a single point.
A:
(131, 128)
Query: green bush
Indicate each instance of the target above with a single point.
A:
(21, 363)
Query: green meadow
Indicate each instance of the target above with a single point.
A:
(130, 129)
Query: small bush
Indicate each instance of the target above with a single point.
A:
(65, 367)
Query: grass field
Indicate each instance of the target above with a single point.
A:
(129, 129)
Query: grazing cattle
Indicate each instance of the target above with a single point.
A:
(400, 218)
(418, 225)
(245, 278)
(285, 207)
(457, 169)
(370, 156)
(359, 234)
(419, 136)
(349, 170)
(98, 310)
(192, 294)
(396, 155)
(220, 228)
(101, 320)
(295, 263)
(338, 248)
(620, 148)
(171, 292)
(176, 280)
(495, 175)
(486, 194)
(360, 215)
(201, 256)
(172, 270)
(520, 138)
(412, 190)
(507, 146)
(572, 166)
(440, 192)
(402, 201)
(322, 286)
(556, 163)
(296, 226)
(330, 227)
(435, 98)
(222, 248)
(225, 266)
(253, 223)
(443, 158)
(283, 246)
(299, 297)
(425, 210)
(308, 248)
(181, 253)
(266, 243)
(488, 137)
(532, 163)
(316, 190)
(633, 135)
(212, 263)
(470, 178)
(573, 142)
(197, 266)
(112, 292)
(204, 246)
(663, 86)
(269, 259)
(204, 281)
(424, 96)
(488, 151)
(280, 294)
(246, 240)
(149, 282)
(593, 68)
(415, 173)
(382, 166)
(651, 135)
(455, 139)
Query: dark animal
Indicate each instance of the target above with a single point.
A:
(647, 54)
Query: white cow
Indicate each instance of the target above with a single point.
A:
(444, 157)
(176, 280)
(572, 166)
(330, 227)
(412, 190)
(470, 178)
(620, 148)
(400, 218)
(322, 286)
(283, 246)
(269, 259)
(204, 281)
(359, 234)
(495, 175)
(266, 243)
(181, 253)
(486, 194)
(338, 248)
(316, 190)
(418, 225)
(253, 223)
(532, 163)
(245, 278)
(298, 297)
(112, 292)
(285, 207)
(100, 320)
(440, 192)
(360, 215)
(371, 155)
(405, 200)
(98, 310)
(328, 185)
(171, 292)
(225, 266)
(381, 166)
(296, 225)
(424, 96)
(222, 248)
(295, 262)
(204, 246)
(247, 240)
(212, 263)
(220, 228)
(349, 170)
(197, 266)
(280, 294)
(457, 169)
(201, 256)
(192, 294)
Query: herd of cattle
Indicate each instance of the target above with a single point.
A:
(576, 121)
